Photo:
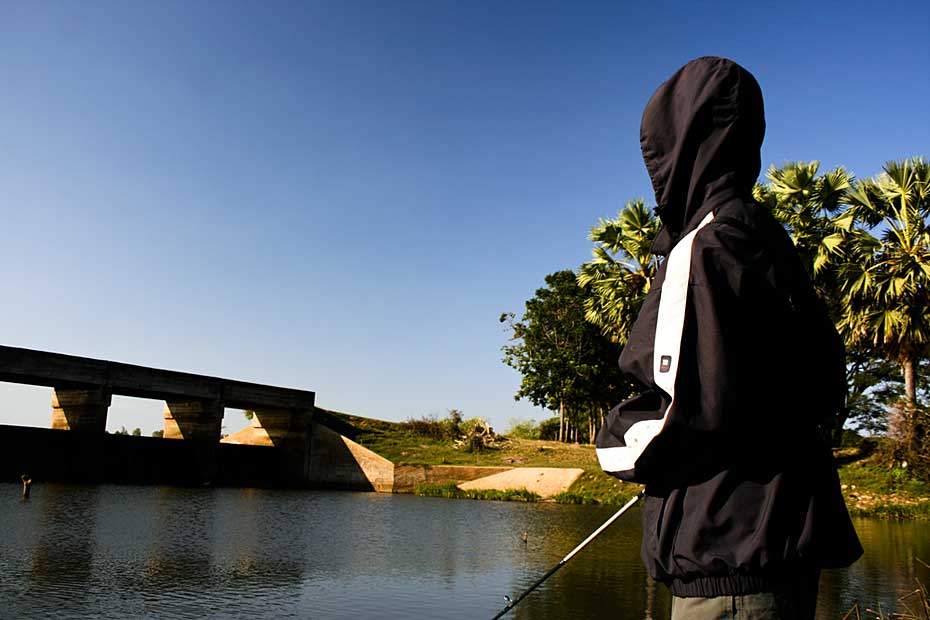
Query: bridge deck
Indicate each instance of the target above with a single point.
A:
(58, 370)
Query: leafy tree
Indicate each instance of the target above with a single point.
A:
(887, 286)
(158, 433)
(621, 269)
(137, 432)
(874, 385)
(887, 280)
(566, 363)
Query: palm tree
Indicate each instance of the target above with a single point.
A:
(621, 270)
(809, 207)
(887, 279)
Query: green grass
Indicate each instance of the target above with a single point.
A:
(873, 489)
(869, 475)
(596, 487)
(452, 491)
(918, 512)
(395, 442)
(870, 488)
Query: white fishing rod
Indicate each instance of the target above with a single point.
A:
(513, 603)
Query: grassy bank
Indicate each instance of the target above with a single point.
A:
(875, 489)
(870, 488)
(452, 491)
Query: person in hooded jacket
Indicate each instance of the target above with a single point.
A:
(740, 368)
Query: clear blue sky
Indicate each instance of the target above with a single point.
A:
(344, 196)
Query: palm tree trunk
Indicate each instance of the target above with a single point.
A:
(561, 421)
(914, 419)
(910, 380)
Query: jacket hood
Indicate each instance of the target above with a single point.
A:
(701, 132)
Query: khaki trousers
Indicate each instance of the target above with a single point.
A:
(792, 601)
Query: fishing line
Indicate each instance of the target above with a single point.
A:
(511, 603)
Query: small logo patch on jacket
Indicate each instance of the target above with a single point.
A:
(665, 363)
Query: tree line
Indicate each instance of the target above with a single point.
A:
(866, 246)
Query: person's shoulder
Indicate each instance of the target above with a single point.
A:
(742, 233)
(746, 216)
(745, 224)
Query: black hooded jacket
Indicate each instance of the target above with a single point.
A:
(739, 363)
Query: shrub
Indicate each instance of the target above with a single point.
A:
(568, 497)
(429, 426)
(908, 441)
(453, 422)
(444, 429)
(523, 429)
(850, 439)
(549, 429)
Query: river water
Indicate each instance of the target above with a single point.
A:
(158, 552)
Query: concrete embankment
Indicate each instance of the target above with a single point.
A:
(544, 481)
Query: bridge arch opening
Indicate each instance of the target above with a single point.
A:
(128, 414)
(25, 405)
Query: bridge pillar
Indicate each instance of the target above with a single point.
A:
(80, 410)
(198, 420)
(290, 432)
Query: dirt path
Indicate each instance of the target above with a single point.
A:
(545, 481)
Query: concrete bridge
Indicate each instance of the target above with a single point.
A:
(296, 451)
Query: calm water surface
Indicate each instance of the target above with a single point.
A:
(158, 552)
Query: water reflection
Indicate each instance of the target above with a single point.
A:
(887, 571)
(63, 540)
(137, 552)
(608, 581)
